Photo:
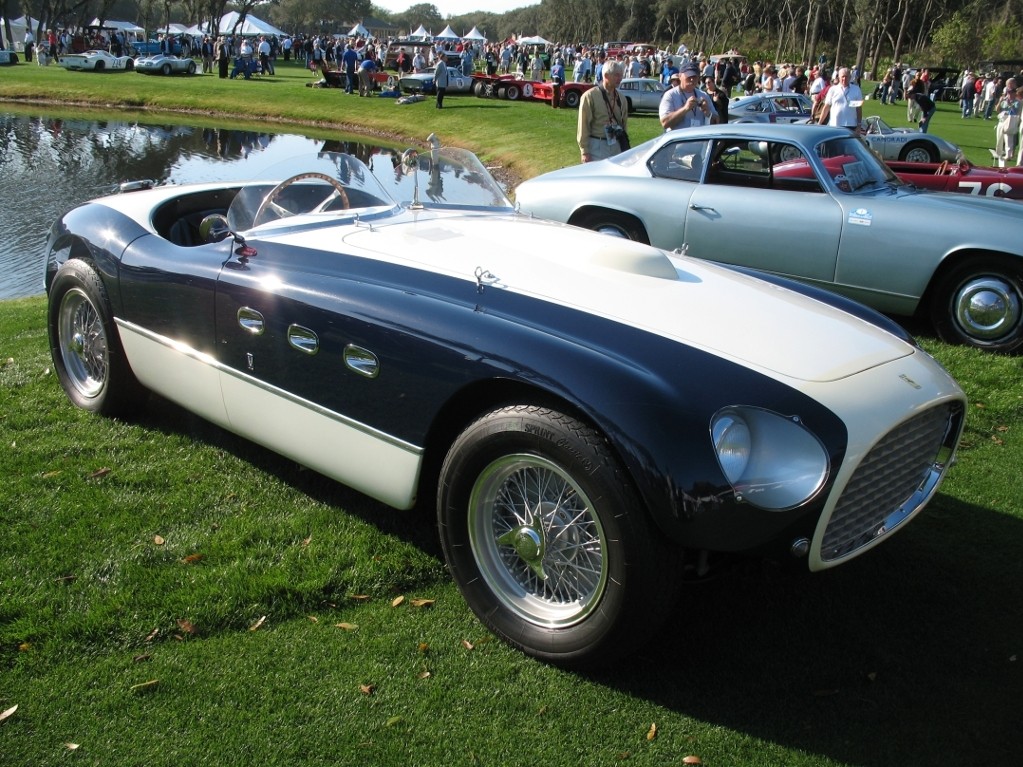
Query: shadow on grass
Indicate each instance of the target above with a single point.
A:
(909, 655)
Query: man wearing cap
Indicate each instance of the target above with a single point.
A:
(684, 105)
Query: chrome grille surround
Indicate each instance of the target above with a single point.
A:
(894, 480)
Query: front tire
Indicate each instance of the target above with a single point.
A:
(570, 99)
(980, 303)
(548, 542)
(86, 350)
(919, 151)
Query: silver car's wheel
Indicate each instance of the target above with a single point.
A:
(919, 151)
(980, 303)
(612, 222)
(166, 69)
(546, 539)
(86, 351)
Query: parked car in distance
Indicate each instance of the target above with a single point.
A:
(962, 176)
(907, 144)
(97, 61)
(588, 425)
(642, 94)
(164, 64)
(422, 82)
(770, 108)
(812, 203)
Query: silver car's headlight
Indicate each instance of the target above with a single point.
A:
(770, 460)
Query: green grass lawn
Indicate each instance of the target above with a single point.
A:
(172, 594)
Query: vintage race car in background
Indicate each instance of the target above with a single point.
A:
(642, 94)
(962, 176)
(907, 144)
(164, 64)
(422, 82)
(560, 399)
(811, 203)
(97, 61)
(770, 108)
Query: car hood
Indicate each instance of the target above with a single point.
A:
(691, 301)
(982, 213)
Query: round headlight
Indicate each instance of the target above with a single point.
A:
(732, 442)
(770, 460)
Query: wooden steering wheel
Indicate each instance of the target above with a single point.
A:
(270, 201)
(942, 168)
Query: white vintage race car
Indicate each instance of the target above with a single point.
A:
(97, 61)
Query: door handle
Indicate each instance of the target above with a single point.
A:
(694, 206)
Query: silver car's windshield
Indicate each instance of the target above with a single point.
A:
(852, 165)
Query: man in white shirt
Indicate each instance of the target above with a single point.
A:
(686, 106)
(843, 103)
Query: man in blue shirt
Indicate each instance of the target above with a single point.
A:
(350, 65)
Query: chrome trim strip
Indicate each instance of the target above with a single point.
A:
(206, 359)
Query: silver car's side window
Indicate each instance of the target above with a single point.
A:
(680, 160)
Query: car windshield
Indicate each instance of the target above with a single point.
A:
(853, 166)
(334, 184)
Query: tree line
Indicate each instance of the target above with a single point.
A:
(871, 34)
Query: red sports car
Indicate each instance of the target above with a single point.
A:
(962, 176)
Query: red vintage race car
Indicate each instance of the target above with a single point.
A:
(514, 89)
(962, 176)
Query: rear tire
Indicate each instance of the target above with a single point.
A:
(547, 540)
(613, 223)
(512, 93)
(980, 303)
(570, 99)
(84, 344)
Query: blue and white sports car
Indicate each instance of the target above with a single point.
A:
(588, 417)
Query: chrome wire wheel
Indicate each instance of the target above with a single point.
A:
(83, 344)
(537, 542)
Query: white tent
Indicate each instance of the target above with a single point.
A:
(18, 28)
(448, 34)
(128, 27)
(534, 40)
(474, 34)
(174, 29)
(251, 26)
(358, 31)
(420, 34)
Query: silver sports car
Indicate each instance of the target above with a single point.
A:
(642, 94)
(165, 64)
(907, 144)
(813, 203)
(770, 108)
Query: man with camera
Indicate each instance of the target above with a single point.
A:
(602, 117)
(684, 105)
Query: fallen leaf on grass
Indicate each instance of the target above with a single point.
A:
(258, 624)
(313, 619)
(425, 674)
(467, 644)
(152, 635)
(52, 474)
(24, 647)
(367, 689)
(692, 759)
(158, 540)
(423, 602)
(100, 473)
(397, 601)
(394, 720)
(8, 713)
(307, 541)
(652, 732)
(423, 648)
(359, 597)
(140, 658)
(186, 625)
(347, 626)
(72, 746)
(192, 559)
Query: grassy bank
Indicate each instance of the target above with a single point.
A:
(172, 594)
(524, 137)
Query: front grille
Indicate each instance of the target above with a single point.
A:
(895, 478)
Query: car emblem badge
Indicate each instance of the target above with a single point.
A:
(910, 381)
(245, 251)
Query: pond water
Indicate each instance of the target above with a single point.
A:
(48, 165)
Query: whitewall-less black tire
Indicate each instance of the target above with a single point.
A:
(548, 542)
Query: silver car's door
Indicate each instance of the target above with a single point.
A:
(761, 205)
